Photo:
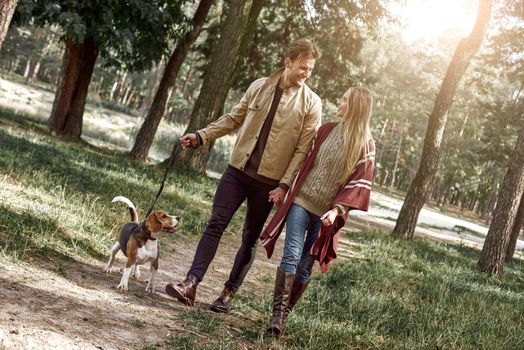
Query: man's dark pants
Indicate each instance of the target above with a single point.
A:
(234, 187)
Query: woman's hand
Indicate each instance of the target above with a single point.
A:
(329, 217)
(277, 196)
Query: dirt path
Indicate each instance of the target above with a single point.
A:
(74, 305)
(57, 304)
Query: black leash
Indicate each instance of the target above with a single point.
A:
(168, 167)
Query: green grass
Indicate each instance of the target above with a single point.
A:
(56, 195)
(399, 294)
(406, 295)
(200, 321)
(137, 323)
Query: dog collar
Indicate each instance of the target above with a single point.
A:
(147, 231)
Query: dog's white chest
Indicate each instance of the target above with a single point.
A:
(147, 252)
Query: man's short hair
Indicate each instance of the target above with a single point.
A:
(302, 47)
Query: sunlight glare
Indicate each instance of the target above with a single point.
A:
(428, 19)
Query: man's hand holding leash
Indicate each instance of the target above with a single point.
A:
(189, 141)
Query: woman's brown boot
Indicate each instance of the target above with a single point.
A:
(296, 292)
(283, 284)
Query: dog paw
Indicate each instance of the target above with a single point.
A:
(150, 288)
(108, 269)
(136, 276)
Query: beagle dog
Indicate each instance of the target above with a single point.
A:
(138, 242)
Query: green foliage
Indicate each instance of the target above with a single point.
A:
(486, 115)
(131, 33)
(507, 43)
(280, 22)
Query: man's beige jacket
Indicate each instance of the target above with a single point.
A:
(296, 121)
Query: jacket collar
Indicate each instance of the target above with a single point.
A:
(273, 79)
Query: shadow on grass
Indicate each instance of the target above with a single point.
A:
(426, 249)
(10, 116)
(88, 170)
(26, 235)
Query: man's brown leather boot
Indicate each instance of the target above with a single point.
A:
(223, 302)
(283, 284)
(185, 291)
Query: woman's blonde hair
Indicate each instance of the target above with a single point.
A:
(355, 126)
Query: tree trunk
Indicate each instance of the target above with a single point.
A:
(146, 134)
(189, 76)
(385, 178)
(7, 8)
(125, 94)
(129, 97)
(113, 88)
(380, 158)
(515, 231)
(234, 36)
(33, 72)
(70, 99)
(27, 68)
(399, 147)
(496, 244)
(491, 201)
(422, 184)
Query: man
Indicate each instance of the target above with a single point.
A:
(277, 119)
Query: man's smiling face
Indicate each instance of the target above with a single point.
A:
(299, 69)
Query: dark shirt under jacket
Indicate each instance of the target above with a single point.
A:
(256, 156)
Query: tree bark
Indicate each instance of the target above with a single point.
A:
(422, 184)
(234, 35)
(490, 202)
(27, 68)
(7, 8)
(70, 99)
(515, 231)
(395, 166)
(380, 159)
(34, 68)
(189, 76)
(496, 244)
(146, 134)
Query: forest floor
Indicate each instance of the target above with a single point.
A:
(73, 304)
(66, 301)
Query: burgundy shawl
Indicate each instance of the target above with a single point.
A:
(353, 194)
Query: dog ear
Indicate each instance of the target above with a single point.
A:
(153, 223)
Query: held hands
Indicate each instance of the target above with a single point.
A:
(329, 217)
(189, 140)
(277, 196)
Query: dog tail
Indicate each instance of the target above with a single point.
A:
(130, 205)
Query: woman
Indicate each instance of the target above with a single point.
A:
(335, 178)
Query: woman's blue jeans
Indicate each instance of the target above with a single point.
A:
(296, 258)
